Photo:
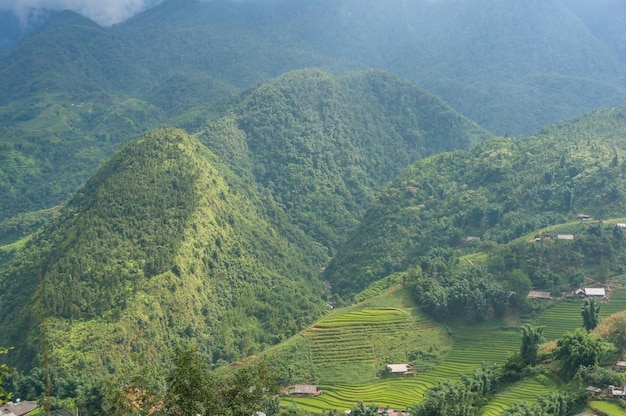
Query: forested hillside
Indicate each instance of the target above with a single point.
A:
(508, 66)
(498, 191)
(72, 91)
(223, 173)
(162, 244)
(322, 146)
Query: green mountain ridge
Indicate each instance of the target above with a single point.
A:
(494, 61)
(323, 145)
(162, 244)
(499, 190)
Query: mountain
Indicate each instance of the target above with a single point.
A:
(165, 219)
(309, 137)
(163, 244)
(605, 19)
(510, 67)
(72, 55)
(322, 146)
(499, 190)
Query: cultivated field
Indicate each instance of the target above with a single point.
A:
(565, 316)
(348, 350)
(524, 391)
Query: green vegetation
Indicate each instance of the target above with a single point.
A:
(590, 312)
(355, 344)
(499, 191)
(501, 81)
(163, 244)
(607, 408)
(218, 238)
(322, 146)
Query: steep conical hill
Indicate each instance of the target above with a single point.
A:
(499, 190)
(162, 244)
(323, 145)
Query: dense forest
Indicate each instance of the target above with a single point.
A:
(498, 191)
(163, 243)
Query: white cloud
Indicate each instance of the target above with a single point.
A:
(103, 12)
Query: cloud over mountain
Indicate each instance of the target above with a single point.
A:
(105, 13)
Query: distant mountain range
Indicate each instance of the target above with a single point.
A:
(512, 68)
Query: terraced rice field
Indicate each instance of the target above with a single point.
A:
(607, 408)
(350, 344)
(361, 342)
(472, 346)
(565, 316)
(526, 390)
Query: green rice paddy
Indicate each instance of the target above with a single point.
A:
(524, 391)
(565, 316)
(349, 348)
(607, 408)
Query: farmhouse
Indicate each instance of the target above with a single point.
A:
(565, 236)
(592, 292)
(399, 368)
(18, 408)
(593, 390)
(538, 294)
(620, 366)
(305, 390)
(615, 392)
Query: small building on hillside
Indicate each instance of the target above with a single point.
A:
(18, 408)
(620, 366)
(617, 392)
(592, 292)
(538, 294)
(305, 390)
(399, 368)
(565, 236)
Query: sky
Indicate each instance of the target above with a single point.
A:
(103, 12)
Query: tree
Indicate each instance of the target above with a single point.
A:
(4, 396)
(578, 349)
(245, 392)
(531, 339)
(521, 284)
(361, 409)
(91, 401)
(590, 312)
(193, 390)
(189, 385)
